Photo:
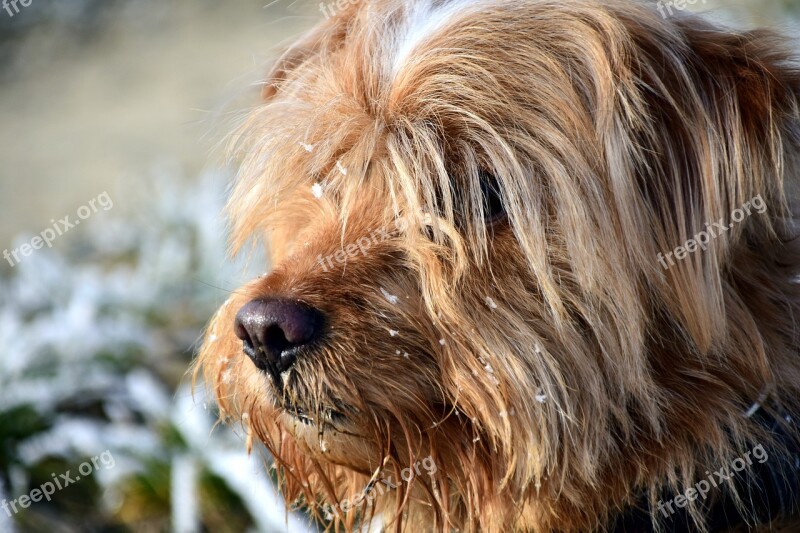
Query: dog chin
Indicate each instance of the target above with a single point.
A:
(334, 439)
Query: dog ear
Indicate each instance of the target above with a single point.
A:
(721, 129)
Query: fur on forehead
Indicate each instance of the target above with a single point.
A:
(381, 103)
(410, 100)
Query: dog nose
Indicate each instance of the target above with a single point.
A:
(273, 329)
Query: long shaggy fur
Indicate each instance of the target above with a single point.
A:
(555, 372)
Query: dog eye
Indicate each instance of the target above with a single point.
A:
(493, 208)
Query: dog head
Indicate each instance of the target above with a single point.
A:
(465, 202)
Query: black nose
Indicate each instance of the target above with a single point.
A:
(273, 329)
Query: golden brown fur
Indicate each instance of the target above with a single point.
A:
(555, 370)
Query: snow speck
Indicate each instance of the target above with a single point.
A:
(541, 397)
(442, 342)
(391, 298)
(490, 303)
(340, 168)
(307, 147)
(317, 190)
(394, 332)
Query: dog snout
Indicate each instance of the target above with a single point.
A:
(273, 330)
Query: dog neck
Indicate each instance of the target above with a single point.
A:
(768, 491)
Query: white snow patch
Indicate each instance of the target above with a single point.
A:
(391, 298)
(424, 20)
(185, 507)
(541, 397)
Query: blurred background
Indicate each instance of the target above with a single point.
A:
(112, 113)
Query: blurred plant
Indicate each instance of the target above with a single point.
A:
(95, 335)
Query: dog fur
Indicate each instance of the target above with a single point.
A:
(545, 360)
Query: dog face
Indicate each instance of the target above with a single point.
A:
(464, 203)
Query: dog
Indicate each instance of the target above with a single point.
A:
(534, 268)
